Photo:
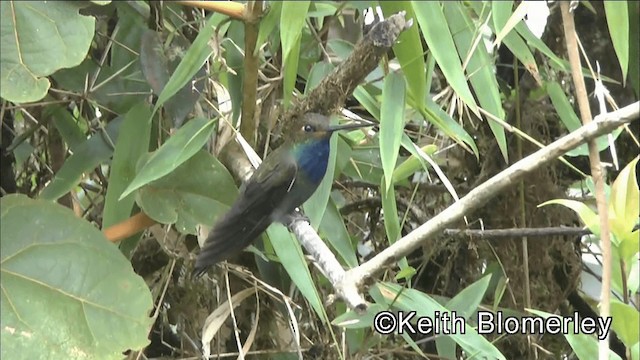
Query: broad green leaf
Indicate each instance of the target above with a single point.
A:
(501, 11)
(480, 68)
(408, 50)
(626, 322)
(391, 218)
(464, 303)
(588, 217)
(235, 59)
(333, 229)
(133, 144)
(570, 119)
(195, 193)
(37, 39)
(292, 18)
(66, 291)
(585, 346)
(67, 126)
(179, 148)
(290, 74)
(96, 150)
(317, 73)
(468, 300)
(290, 254)
(193, 60)
(624, 208)
(618, 23)
(438, 37)
(391, 123)
(268, 23)
(567, 114)
(413, 300)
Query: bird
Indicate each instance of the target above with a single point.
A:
(287, 177)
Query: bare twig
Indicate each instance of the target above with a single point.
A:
(518, 232)
(596, 170)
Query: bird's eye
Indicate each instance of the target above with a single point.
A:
(308, 128)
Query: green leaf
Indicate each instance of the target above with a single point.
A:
(66, 291)
(391, 218)
(438, 37)
(317, 73)
(468, 300)
(133, 144)
(67, 126)
(94, 151)
(38, 38)
(365, 164)
(195, 193)
(391, 123)
(634, 48)
(412, 164)
(501, 11)
(414, 300)
(626, 322)
(290, 254)
(588, 217)
(268, 23)
(290, 74)
(292, 18)
(480, 69)
(193, 60)
(434, 114)
(179, 148)
(618, 23)
(585, 346)
(157, 68)
(353, 320)
(408, 50)
(570, 119)
(624, 208)
(333, 229)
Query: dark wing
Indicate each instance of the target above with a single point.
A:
(250, 215)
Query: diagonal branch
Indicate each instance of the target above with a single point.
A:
(602, 124)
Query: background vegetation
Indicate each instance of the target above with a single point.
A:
(118, 116)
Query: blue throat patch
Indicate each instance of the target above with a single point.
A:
(312, 157)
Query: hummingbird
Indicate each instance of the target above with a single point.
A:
(287, 177)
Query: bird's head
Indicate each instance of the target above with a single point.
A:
(314, 126)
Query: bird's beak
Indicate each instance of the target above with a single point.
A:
(348, 126)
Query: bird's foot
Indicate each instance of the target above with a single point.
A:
(289, 219)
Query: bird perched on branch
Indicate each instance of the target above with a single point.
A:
(285, 179)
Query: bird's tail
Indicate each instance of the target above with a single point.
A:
(232, 233)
